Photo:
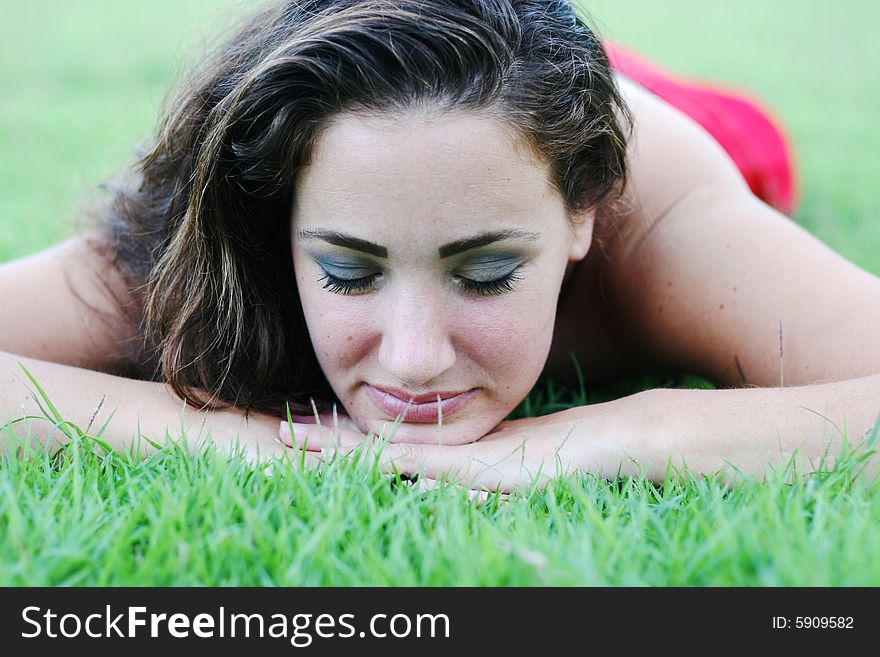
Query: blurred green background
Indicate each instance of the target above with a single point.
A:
(81, 83)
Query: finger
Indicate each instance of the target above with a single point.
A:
(315, 437)
(264, 456)
(301, 458)
(324, 420)
(485, 466)
(459, 464)
(294, 458)
(480, 467)
(304, 419)
(330, 419)
(479, 496)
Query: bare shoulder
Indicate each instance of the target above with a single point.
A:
(670, 159)
(67, 305)
(699, 275)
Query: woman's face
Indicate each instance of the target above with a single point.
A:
(429, 252)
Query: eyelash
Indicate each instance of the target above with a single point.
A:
(490, 288)
(347, 285)
(478, 288)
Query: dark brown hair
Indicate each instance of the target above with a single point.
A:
(202, 236)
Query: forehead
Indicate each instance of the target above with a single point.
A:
(422, 174)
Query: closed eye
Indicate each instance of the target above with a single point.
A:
(347, 285)
(492, 287)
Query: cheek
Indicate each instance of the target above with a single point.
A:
(509, 338)
(340, 335)
(337, 326)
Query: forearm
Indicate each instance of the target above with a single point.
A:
(749, 429)
(87, 399)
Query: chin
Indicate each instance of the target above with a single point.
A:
(457, 433)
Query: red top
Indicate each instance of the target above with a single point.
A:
(739, 124)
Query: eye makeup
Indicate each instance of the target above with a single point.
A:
(345, 275)
(342, 267)
(481, 275)
(488, 274)
(489, 266)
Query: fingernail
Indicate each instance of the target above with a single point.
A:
(284, 433)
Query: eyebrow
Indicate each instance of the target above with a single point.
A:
(347, 241)
(484, 239)
(459, 246)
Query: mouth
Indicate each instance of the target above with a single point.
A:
(423, 408)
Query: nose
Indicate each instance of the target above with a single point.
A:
(416, 347)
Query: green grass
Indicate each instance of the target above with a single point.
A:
(88, 517)
(81, 85)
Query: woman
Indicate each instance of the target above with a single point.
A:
(415, 208)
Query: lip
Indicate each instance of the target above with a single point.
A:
(418, 408)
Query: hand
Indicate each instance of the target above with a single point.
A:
(327, 419)
(515, 455)
(321, 440)
(256, 436)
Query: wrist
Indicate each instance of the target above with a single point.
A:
(220, 427)
(638, 427)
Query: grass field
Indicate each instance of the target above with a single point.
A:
(80, 84)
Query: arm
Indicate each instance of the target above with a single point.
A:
(60, 318)
(721, 285)
(731, 433)
(750, 430)
(63, 305)
(139, 408)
